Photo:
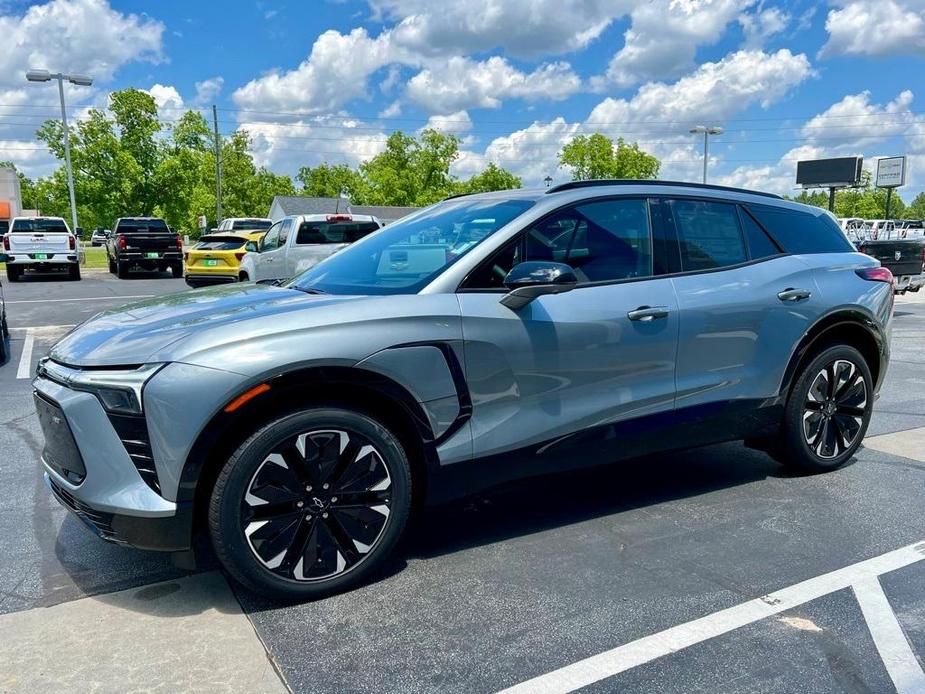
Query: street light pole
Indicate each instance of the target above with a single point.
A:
(67, 155)
(80, 80)
(707, 130)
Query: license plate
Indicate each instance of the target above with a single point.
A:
(60, 451)
(41, 256)
(152, 255)
(210, 263)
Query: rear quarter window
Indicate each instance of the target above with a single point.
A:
(801, 232)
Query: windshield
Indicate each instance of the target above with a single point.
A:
(40, 225)
(404, 257)
(334, 232)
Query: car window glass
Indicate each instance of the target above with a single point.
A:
(39, 225)
(271, 240)
(284, 232)
(333, 232)
(760, 244)
(802, 232)
(602, 241)
(708, 233)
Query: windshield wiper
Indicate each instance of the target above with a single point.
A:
(308, 290)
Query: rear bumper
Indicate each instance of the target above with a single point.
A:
(202, 279)
(910, 282)
(69, 258)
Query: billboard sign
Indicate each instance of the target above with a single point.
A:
(842, 172)
(891, 172)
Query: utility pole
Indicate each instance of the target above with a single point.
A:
(218, 168)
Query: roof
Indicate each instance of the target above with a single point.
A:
(303, 204)
(595, 183)
(383, 212)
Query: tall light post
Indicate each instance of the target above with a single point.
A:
(80, 80)
(707, 130)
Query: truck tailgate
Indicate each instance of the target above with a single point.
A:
(153, 241)
(39, 242)
(901, 257)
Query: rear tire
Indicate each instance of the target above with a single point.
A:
(112, 265)
(74, 272)
(121, 270)
(311, 504)
(176, 270)
(4, 335)
(828, 411)
(13, 273)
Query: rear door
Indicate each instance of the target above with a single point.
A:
(744, 304)
(576, 363)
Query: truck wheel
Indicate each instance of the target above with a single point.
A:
(176, 270)
(121, 270)
(74, 272)
(311, 504)
(13, 273)
(4, 334)
(828, 411)
(243, 277)
(112, 265)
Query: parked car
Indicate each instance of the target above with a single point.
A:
(99, 236)
(145, 243)
(483, 339)
(4, 328)
(216, 258)
(245, 224)
(42, 244)
(298, 242)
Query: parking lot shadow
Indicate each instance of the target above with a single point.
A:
(534, 505)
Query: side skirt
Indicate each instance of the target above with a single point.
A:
(684, 428)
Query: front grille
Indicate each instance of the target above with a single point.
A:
(132, 430)
(98, 521)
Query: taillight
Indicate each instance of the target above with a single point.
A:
(6, 243)
(875, 274)
(179, 244)
(239, 256)
(121, 242)
(72, 242)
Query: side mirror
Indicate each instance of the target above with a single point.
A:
(536, 278)
(251, 247)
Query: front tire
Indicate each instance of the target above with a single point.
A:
(828, 411)
(311, 504)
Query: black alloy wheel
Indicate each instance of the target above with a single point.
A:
(311, 503)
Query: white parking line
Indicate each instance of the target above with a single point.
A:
(82, 298)
(25, 359)
(891, 642)
(646, 649)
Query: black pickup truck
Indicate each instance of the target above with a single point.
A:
(144, 243)
(904, 257)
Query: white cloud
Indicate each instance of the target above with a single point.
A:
(458, 122)
(762, 24)
(532, 152)
(208, 90)
(665, 34)
(334, 73)
(876, 28)
(460, 83)
(82, 36)
(523, 28)
(855, 122)
(166, 97)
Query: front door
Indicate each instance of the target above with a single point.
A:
(270, 262)
(571, 365)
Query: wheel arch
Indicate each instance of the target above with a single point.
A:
(346, 386)
(849, 327)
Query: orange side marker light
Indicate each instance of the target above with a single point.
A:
(246, 397)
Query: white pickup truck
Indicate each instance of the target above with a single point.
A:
(298, 242)
(43, 244)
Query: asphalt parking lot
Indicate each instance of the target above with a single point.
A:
(712, 570)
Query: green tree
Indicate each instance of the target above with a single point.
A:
(597, 156)
(916, 209)
(332, 180)
(411, 171)
(492, 178)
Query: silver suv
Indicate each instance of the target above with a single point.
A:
(482, 339)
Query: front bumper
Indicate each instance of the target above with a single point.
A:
(111, 496)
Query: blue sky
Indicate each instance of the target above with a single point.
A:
(328, 81)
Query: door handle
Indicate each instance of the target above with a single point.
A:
(791, 294)
(269, 260)
(648, 313)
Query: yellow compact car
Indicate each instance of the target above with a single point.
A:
(216, 258)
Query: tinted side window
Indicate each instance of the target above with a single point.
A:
(801, 232)
(708, 233)
(326, 232)
(760, 245)
(602, 241)
(271, 240)
(284, 232)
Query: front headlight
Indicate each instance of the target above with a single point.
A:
(119, 390)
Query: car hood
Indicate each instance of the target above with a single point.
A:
(154, 330)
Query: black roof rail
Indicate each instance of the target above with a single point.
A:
(457, 195)
(572, 185)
